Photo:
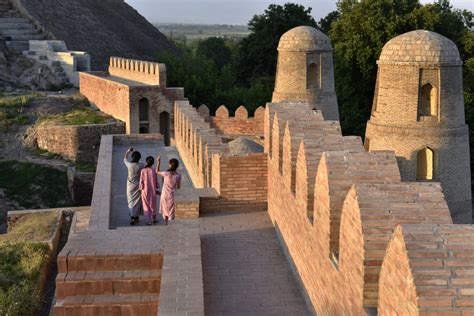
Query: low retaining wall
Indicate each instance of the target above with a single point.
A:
(79, 143)
(81, 186)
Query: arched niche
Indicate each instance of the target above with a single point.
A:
(428, 102)
(425, 165)
(144, 115)
(312, 81)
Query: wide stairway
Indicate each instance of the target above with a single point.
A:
(15, 29)
(107, 281)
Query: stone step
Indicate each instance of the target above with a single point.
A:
(14, 20)
(64, 80)
(14, 32)
(18, 45)
(109, 262)
(107, 305)
(107, 283)
(25, 37)
(16, 26)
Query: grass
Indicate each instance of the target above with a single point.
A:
(30, 185)
(31, 227)
(85, 167)
(11, 110)
(22, 261)
(78, 116)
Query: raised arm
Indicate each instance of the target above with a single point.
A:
(158, 164)
(125, 158)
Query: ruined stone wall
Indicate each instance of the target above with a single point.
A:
(336, 207)
(137, 70)
(238, 125)
(108, 96)
(79, 143)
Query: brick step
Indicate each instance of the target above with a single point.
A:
(107, 305)
(110, 262)
(107, 283)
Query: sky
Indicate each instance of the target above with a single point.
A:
(232, 11)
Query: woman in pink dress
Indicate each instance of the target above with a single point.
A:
(171, 182)
(149, 187)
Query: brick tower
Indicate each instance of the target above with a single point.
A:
(418, 112)
(305, 70)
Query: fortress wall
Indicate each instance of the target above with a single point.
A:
(137, 70)
(336, 206)
(428, 271)
(239, 125)
(78, 143)
(109, 97)
(240, 181)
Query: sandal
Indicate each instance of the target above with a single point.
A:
(149, 223)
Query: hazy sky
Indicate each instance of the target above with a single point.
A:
(232, 11)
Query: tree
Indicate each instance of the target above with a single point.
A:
(258, 52)
(215, 49)
(358, 36)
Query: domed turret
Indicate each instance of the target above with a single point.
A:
(418, 112)
(305, 70)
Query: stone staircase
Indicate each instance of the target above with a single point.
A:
(113, 282)
(54, 65)
(15, 29)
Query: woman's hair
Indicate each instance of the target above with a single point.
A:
(174, 164)
(149, 161)
(136, 156)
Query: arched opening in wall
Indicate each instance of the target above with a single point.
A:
(144, 116)
(425, 165)
(312, 79)
(428, 105)
(165, 127)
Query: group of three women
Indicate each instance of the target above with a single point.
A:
(143, 187)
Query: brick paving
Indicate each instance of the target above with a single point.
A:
(119, 209)
(244, 269)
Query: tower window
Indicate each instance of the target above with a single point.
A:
(313, 77)
(428, 105)
(144, 115)
(425, 165)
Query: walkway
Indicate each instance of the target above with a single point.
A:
(120, 217)
(245, 271)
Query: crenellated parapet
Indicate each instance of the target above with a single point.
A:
(337, 206)
(211, 164)
(138, 70)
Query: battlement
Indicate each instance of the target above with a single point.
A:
(238, 125)
(137, 70)
(337, 206)
(211, 164)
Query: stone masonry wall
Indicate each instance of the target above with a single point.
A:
(78, 143)
(336, 207)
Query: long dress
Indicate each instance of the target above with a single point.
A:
(170, 184)
(133, 191)
(148, 186)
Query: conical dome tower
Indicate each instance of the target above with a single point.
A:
(418, 112)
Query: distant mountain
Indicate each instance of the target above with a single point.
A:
(103, 28)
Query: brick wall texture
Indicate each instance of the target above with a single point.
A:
(240, 181)
(338, 209)
(79, 143)
(119, 91)
(240, 124)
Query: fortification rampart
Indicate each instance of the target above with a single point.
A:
(210, 164)
(336, 207)
(137, 70)
(238, 125)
